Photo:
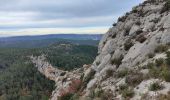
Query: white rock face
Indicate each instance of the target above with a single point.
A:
(147, 28)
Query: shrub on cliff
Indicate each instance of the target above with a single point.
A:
(168, 58)
(161, 48)
(155, 86)
(117, 61)
(166, 6)
(128, 44)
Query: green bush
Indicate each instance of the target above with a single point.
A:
(117, 61)
(109, 73)
(123, 87)
(138, 23)
(127, 30)
(66, 97)
(98, 63)
(139, 32)
(106, 95)
(161, 48)
(164, 96)
(122, 19)
(141, 38)
(114, 24)
(168, 58)
(150, 65)
(134, 9)
(113, 36)
(159, 62)
(166, 6)
(165, 73)
(154, 72)
(128, 93)
(98, 92)
(134, 78)
(128, 44)
(122, 73)
(75, 97)
(161, 71)
(88, 78)
(151, 55)
(155, 86)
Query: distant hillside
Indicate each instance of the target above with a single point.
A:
(45, 40)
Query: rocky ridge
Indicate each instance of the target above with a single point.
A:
(132, 62)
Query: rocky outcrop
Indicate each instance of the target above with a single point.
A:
(127, 45)
(66, 82)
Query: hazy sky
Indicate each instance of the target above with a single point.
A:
(31, 17)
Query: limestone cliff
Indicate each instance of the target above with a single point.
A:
(128, 47)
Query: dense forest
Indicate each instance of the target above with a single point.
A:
(69, 56)
(19, 78)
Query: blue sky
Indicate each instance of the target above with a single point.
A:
(34, 17)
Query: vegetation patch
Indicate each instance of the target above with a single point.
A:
(134, 79)
(127, 30)
(87, 79)
(98, 63)
(166, 6)
(123, 87)
(66, 96)
(151, 55)
(138, 23)
(164, 96)
(122, 19)
(159, 62)
(128, 93)
(122, 73)
(114, 24)
(139, 31)
(99, 94)
(168, 58)
(161, 48)
(117, 61)
(155, 86)
(159, 69)
(141, 38)
(128, 44)
(113, 36)
(109, 73)
(165, 73)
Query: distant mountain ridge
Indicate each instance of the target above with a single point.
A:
(61, 36)
(45, 40)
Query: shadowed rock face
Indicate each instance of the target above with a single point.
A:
(118, 71)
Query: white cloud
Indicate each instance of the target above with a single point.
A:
(38, 31)
(60, 14)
